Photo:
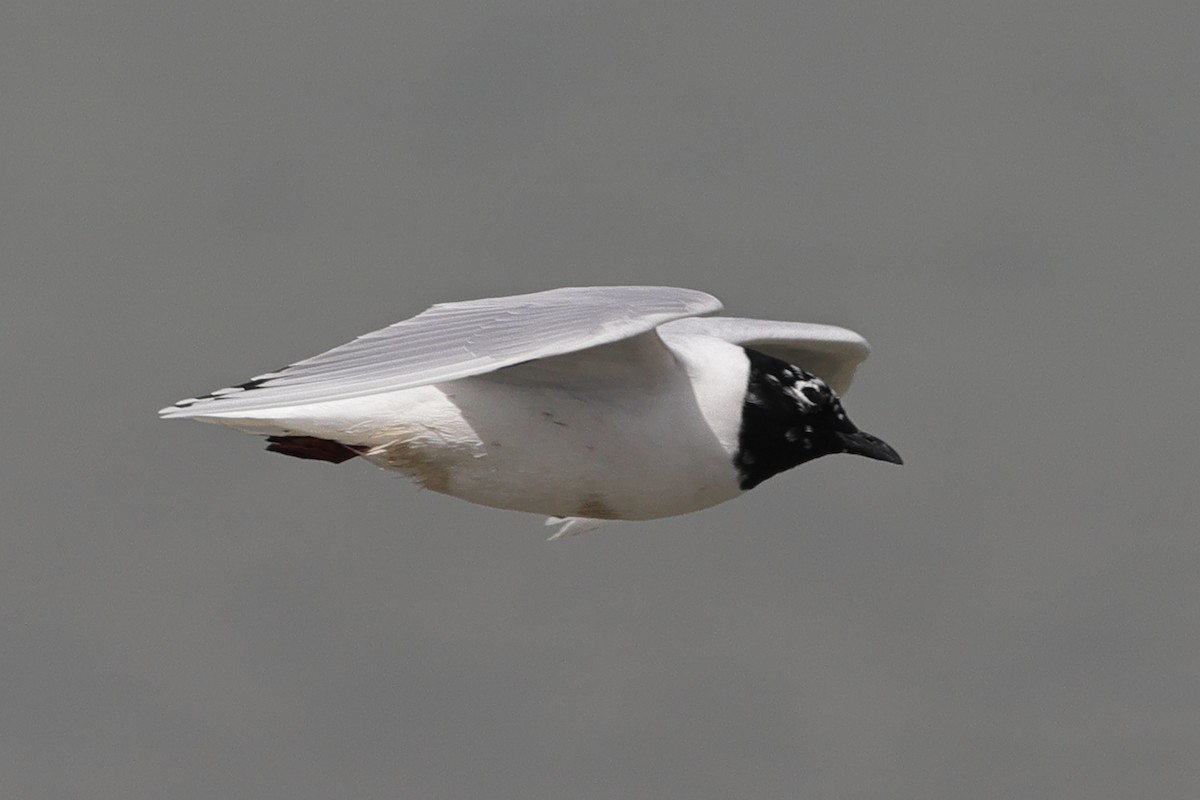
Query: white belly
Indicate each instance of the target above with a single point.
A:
(546, 451)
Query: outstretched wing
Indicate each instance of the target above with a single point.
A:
(829, 352)
(457, 340)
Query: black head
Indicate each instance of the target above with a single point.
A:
(791, 416)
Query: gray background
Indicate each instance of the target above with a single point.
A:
(1003, 197)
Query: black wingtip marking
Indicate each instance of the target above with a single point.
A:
(252, 384)
(232, 391)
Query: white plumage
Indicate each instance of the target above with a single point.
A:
(582, 403)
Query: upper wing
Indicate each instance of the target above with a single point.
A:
(457, 340)
(829, 352)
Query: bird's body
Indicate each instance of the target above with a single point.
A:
(653, 419)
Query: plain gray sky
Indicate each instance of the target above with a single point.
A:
(1003, 197)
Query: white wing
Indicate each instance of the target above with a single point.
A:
(457, 340)
(829, 352)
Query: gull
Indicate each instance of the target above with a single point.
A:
(586, 404)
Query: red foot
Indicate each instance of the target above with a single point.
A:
(313, 448)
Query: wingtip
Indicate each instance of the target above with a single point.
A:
(169, 412)
(180, 410)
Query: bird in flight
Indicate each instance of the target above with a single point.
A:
(586, 404)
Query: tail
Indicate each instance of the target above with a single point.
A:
(285, 435)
